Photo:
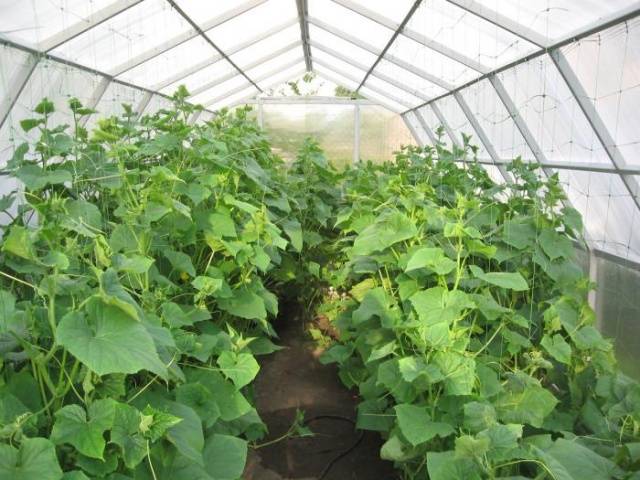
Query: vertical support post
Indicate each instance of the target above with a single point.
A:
(356, 133)
(19, 81)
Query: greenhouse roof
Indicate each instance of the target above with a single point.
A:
(553, 81)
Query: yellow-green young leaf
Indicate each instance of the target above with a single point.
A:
(387, 231)
(471, 447)
(240, 368)
(35, 460)
(18, 242)
(511, 280)
(431, 258)
(85, 433)
(107, 340)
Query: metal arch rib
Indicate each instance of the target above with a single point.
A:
(596, 123)
(16, 86)
(303, 12)
(397, 31)
(210, 61)
(265, 76)
(501, 21)
(388, 57)
(413, 35)
(355, 80)
(621, 17)
(381, 76)
(184, 37)
(260, 61)
(337, 81)
(195, 26)
(425, 127)
(78, 28)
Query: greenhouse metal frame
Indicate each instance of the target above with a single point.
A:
(419, 107)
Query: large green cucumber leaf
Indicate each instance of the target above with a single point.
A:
(107, 340)
(34, 460)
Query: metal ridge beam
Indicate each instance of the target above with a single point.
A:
(413, 35)
(201, 32)
(185, 36)
(501, 21)
(386, 48)
(216, 58)
(381, 76)
(303, 12)
(623, 16)
(83, 25)
(371, 49)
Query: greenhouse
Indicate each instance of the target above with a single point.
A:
(319, 239)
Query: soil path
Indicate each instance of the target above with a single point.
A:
(292, 379)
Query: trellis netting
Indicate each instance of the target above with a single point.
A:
(555, 82)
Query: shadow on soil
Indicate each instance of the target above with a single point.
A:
(293, 379)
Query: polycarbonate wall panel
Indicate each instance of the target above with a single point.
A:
(112, 100)
(244, 94)
(321, 37)
(555, 19)
(423, 138)
(618, 311)
(113, 43)
(259, 49)
(213, 72)
(32, 22)
(350, 22)
(552, 113)
(459, 124)
(414, 83)
(253, 22)
(432, 122)
(610, 216)
(608, 67)
(395, 10)
(331, 125)
(59, 83)
(496, 122)
(477, 39)
(430, 61)
(159, 69)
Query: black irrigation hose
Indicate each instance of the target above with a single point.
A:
(346, 452)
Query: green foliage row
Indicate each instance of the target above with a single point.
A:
(465, 325)
(145, 259)
(138, 276)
